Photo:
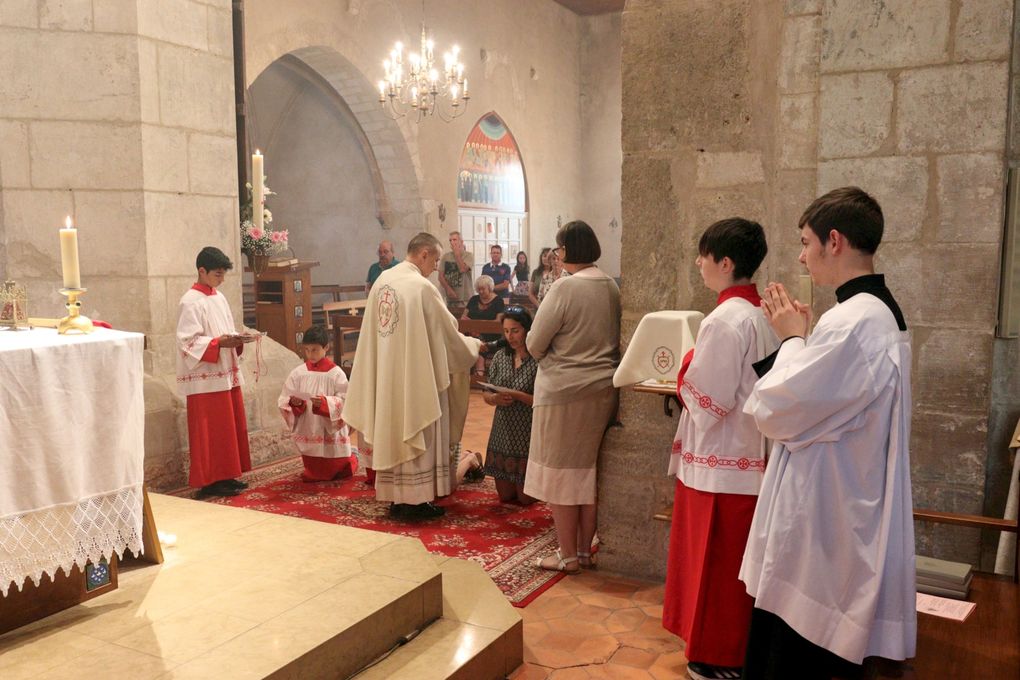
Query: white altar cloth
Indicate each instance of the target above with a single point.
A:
(658, 346)
(72, 445)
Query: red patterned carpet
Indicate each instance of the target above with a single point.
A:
(504, 539)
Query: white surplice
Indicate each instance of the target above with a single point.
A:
(716, 449)
(402, 398)
(831, 549)
(312, 434)
(202, 319)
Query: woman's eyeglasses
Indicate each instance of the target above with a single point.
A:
(516, 309)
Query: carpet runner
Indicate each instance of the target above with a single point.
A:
(505, 539)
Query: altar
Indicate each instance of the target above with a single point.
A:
(73, 416)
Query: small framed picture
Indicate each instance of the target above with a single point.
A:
(298, 337)
(299, 311)
(298, 287)
(97, 575)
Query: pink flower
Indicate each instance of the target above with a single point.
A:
(256, 233)
(277, 236)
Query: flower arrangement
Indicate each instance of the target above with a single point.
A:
(255, 241)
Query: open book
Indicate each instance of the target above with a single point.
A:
(493, 388)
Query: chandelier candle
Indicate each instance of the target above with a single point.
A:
(257, 191)
(69, 255)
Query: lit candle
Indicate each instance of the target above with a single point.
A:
(257, 172)
(806, 292)
(69, 255)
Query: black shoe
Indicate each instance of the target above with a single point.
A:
(220, 488)
(474, 475)
(704, 671)
(420, 511)
(235, 484)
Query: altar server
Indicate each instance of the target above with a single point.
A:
(718, 458)
(209, 375)
(409, 384)
(830, 557)
(311, 401)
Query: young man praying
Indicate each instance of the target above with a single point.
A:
(209, 375)
(830, 556)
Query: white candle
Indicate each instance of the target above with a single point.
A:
(806, 292)
(257, 196)
(69, 255)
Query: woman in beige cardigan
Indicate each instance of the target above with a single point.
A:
(576, 339)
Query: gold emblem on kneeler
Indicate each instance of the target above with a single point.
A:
(13, 306)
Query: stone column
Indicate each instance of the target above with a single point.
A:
(120, 113)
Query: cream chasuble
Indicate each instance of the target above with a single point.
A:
(831, 548)
(401, 382)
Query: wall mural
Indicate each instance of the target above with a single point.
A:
(491, 174)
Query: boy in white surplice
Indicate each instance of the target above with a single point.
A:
(311, 401)
(718, 458)
(830, 556)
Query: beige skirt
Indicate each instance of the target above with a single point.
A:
(564, 451)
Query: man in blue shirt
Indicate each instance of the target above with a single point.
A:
(499, 271)
(386, 261)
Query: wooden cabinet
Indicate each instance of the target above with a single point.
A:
(283, 302)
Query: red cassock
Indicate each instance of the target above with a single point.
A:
(325, 469)
(705, 604)
(217, 437)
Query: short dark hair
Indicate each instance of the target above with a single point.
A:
(315, 335)
(580, 243)
(496, 246)
(743, 241)
(850, 211)
(519, 314)
(211, 258)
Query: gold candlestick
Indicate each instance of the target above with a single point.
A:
(74, 321)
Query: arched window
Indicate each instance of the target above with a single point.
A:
(492, 195)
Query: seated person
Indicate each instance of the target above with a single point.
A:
(485, 306)
(514, 368)
(311, 402)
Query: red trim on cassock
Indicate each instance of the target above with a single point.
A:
(323, 409)
(323, 365)
(748, 292)
(212, 352)
(217, 437)
(201, 287)
(324, 469)
(684, 366)
(704, 603)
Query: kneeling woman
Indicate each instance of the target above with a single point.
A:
(513, 368)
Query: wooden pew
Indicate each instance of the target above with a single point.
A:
(346, 326)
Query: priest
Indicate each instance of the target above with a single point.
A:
(409, 384)
(830, 556)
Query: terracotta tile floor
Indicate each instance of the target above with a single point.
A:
(592, 625)
(599, 626)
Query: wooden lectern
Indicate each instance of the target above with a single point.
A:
(283, 302)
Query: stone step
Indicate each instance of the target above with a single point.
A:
(479, 637)
(245, 595)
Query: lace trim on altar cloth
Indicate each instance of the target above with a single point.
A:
(59, 537)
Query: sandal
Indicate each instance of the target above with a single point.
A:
(586, 561)
(558, 563)
(704, 671)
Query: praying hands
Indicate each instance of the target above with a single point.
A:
(787, 317)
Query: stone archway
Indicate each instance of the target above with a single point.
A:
(389, 153)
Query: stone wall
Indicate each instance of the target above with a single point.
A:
(753, 109)
(120, 113)
(525, 60)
